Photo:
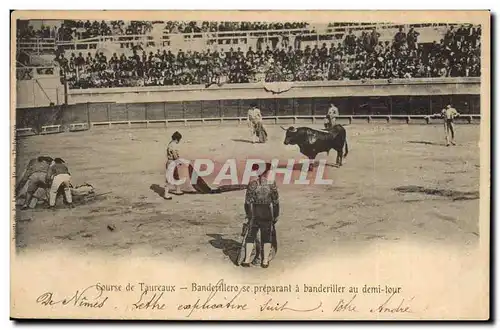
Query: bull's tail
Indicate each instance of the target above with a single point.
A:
(346, 148)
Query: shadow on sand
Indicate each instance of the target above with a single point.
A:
(161, 190)
(229, 247)
(427, 142)
(298, 167)
(242, 140)
(332, 165)
(200, 188)
(452, 194)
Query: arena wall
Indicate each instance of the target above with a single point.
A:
(280, 102)
(344, 88)
(39, 92)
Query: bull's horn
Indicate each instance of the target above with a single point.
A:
(283, 128)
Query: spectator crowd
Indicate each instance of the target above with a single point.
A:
(79, 29)
(26, 32)
(73, 30)
(355, 58)
(196, 27)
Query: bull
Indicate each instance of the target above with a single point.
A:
(311, 141)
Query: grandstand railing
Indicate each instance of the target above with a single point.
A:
(214, 37)
(222, 38)
(37, 45)
(312, 31)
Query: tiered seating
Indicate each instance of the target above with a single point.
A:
(355, 58)
(150, 54)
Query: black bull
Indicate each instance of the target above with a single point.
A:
(312, 141)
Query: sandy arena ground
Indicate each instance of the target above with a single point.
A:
(360, 208)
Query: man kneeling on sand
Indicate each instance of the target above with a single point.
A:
(35, 177)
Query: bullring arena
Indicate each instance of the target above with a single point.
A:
(373, 197)
(400, 183)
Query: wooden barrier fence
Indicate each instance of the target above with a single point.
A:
(410, 101)
(269, 120)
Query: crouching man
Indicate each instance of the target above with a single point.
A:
(35, 177)
(58, 174)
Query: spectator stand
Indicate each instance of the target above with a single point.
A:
(354, 59)
(361, 55)
(37, 46)
(253, 38)
(88, 32)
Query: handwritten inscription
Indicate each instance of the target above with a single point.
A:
(392, 306)
(211, 304)
(90, 297)
(346, 306)
(153, 302)
(273, 306)
(235, 298)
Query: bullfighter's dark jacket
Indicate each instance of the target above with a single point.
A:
(261, 194)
